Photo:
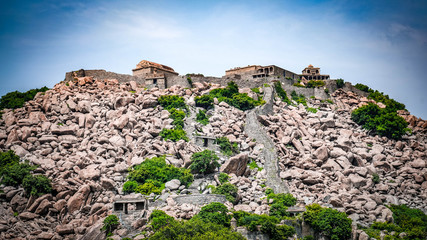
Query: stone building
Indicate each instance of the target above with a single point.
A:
(257, 71)
(155, 74)
(312, 73)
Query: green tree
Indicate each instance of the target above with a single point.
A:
(204, 162)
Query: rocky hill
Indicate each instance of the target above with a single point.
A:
(86, 135)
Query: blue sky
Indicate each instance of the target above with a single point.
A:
(379, 43)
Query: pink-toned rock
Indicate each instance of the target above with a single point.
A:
(418, 163)
(65, 229)
(44, 206)
(243, 207)
(78, 199)
(321, 153)
(236, 164)
(27, 216)
(90, 172)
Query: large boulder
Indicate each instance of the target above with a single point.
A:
(236, 164)
(173, 184)
(78, 199)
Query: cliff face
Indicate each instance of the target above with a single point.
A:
(85, 135)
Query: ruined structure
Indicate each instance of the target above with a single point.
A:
(154, 74)
(312, 73)
(257, 71)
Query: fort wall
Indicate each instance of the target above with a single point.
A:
(102, 74)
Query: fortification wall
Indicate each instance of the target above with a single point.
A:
(102, 74)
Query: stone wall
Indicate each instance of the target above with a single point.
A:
(102, 74)
(200, 199)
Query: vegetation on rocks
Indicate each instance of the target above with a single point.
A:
(315, 83)
(231, 95)
(228, 190)
(380, 121)
(202, 118)
(216, 213)
(223, 178)
(176, 107)
(172, 101)
(298, 98)
(15, 173)
(333, 224)
(226, 147)
(269, 224)
(152, 174)
(282, 93)
(340, 83)
(110, 223)
(408, 224)
(17, 99)
(159, 219)
(280, 204)
(195, 229)
(204, 101)
(204, 162)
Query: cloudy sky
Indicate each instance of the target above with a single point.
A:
(382, 44)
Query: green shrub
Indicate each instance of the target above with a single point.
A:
(375, 178)
(363, 87)
(130, 186)
(411, 221)
(380, 121)
(202, 118)
(269, 191)
(278, 210)
(231, 95)
(148, 188)
(256, 90)
(340, 83)
(159, 219)
(190, 81)
(172, 101)
(7, 159)
(298, 98)
(155, 172)
(215, 213)
(391, 104)
(228, 190)
(315, 83)
(282, 93)
(204, 162)
(178, 117)
(13, 175)
(326, 90)
(205, 101)
(226, 147)
(330, 222)
(223, 178)
(312, 110)
(13, 100)
(298, 84)
(195, 229)
(174, 134)
(254, 165)
(277, 232)
(36, 185)
(285, 199)
(110, 223)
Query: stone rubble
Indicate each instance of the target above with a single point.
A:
(85, 134)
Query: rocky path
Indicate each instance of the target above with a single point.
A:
(255, 131)
(189, 125)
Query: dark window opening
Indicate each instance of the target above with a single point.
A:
(126, 208)
(205, 142)
(140, 206)
(118, 206)
(154, 81)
